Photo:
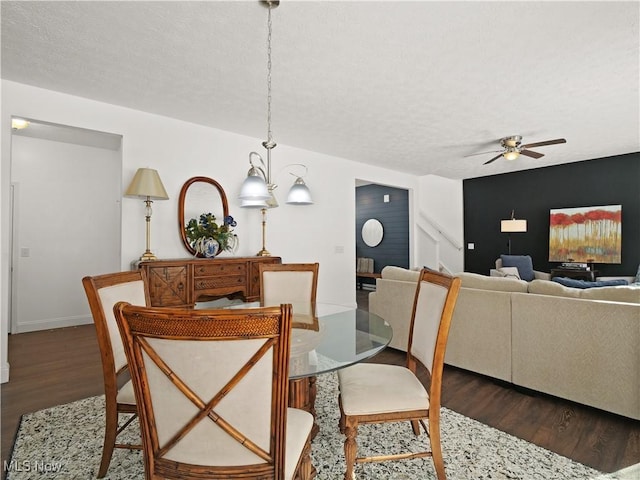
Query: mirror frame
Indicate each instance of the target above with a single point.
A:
(373, 226)
(181, 199)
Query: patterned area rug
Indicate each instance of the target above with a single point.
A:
(65, 442)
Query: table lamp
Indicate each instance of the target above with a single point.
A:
(146, 184)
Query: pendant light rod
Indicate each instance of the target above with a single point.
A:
(269, 144)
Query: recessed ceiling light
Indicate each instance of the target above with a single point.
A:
(19, 123)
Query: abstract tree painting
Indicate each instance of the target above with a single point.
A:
(586, 234)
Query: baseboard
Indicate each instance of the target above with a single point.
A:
(4, 373)
(48, 324)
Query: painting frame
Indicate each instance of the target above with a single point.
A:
(586, 234)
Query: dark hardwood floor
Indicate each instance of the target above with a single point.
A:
(58, 366)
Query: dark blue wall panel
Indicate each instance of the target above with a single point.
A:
(394, 216)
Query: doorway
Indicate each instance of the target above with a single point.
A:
(390, 207)
(66, 220)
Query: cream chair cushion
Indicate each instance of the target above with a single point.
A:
(132, 292)
(126, 395)
(294, 287)
(299, 425)
(396, 389)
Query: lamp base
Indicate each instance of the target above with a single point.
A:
(263, 253)
(146, 256)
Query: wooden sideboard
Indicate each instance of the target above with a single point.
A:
(181, 282)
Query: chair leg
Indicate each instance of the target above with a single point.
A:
(341, 421)
(436, 448)
(350, 447)
(110, 432)
(415, 426)
(306, 471)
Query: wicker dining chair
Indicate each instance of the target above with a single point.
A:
(294, 283)
(212, 389)
(103, 292)
(380, 393)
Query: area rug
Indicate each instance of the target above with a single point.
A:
(65, 442)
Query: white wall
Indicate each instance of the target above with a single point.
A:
(69, 228)
(441, 202)
(180, 150)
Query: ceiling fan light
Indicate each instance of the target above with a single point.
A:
(511, 154)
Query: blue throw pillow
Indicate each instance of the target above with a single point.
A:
(575, 283)
(523, 263)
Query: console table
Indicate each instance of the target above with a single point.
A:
(588, 275)
(181, 282)
(361, 275)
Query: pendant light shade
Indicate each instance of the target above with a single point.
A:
(299, 193)
(254, 188)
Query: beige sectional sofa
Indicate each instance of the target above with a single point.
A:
(578, 344)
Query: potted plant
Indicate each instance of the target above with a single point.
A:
(208, 238)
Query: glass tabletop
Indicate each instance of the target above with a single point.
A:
(334, 338)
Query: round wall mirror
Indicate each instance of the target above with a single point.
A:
(200, 195)
(372, 232)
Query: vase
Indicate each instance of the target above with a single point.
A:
(207, 247)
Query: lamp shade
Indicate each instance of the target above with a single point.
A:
(253, 204)
(146, 183)
(254, 188)
(513, 225)
(299, 193)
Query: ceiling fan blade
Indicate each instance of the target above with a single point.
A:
(492, 160)
(481, 153)
(542, 144)
(531, 154)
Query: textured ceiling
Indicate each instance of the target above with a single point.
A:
(412, 86)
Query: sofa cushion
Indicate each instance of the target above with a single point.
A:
(545, 287)
(523, 263)
(626, 294)
(483, 282)
(391, 272)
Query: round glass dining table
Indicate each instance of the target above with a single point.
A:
(322, 341)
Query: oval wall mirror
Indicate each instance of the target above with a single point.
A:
(200, 195)
(372, 232)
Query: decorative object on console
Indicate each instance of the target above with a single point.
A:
(208, 238)
(586, 234)
(257, 189)
(512, 225)
(146, 184)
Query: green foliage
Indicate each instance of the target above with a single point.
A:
(206, 227)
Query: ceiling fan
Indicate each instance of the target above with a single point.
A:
(512, 148)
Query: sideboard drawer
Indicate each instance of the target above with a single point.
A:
(213, 283)
(221, 269)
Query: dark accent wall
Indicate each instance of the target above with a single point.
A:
(394, 216)
(532, 193)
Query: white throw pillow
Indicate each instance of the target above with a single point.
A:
(511, 272)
